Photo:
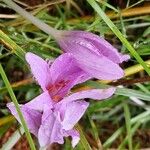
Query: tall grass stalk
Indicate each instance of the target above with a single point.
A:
(128, 125)
(13, 97)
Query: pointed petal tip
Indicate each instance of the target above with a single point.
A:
(74, 135)
(115, 74)
(40, 69)
(124, 57)
(11, 107)
(110, 91)
(9, 104)
(102, 94)
(73, 113)
(118, 74)
(75, 141)
(28, 55)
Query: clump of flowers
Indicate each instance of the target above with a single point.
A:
(53, 114)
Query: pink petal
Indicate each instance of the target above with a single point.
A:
(97, 94)
(71, 110)
(66, 68)
(101, 68)
(95, 65)
(71, 113)
(101, 45)
(50, 130)
(32, 117)
(124, 57)
(75, 136)
(40, 101)
(40, 70)
(63, 67)
(65, 74)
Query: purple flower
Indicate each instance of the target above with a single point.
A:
(57, 77)
(93, 54)
(52, 115)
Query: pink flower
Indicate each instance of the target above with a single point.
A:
(93, 54)
(52, 115)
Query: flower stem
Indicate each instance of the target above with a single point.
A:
(13, 97)
(37, 22)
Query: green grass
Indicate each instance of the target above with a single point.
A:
(13, 97)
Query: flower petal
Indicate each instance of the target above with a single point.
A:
(65, 74)
(32, 117)
(93, 94)
(95, 65)
(101, 45)
(40, 101)
(50, 130)
(40, 70)
(71, 113)
(101, 68)
(75, 136)
(66, 68)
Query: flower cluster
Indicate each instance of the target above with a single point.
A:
(52, 115)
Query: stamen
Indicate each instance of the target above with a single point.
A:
(56, 88)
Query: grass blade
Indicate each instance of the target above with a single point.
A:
(13, 97)
(12, 45)
(138, 118)
(128, 125)
(84, 142)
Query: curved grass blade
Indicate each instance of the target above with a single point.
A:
(13, 97)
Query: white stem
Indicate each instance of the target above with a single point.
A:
(37, 22)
